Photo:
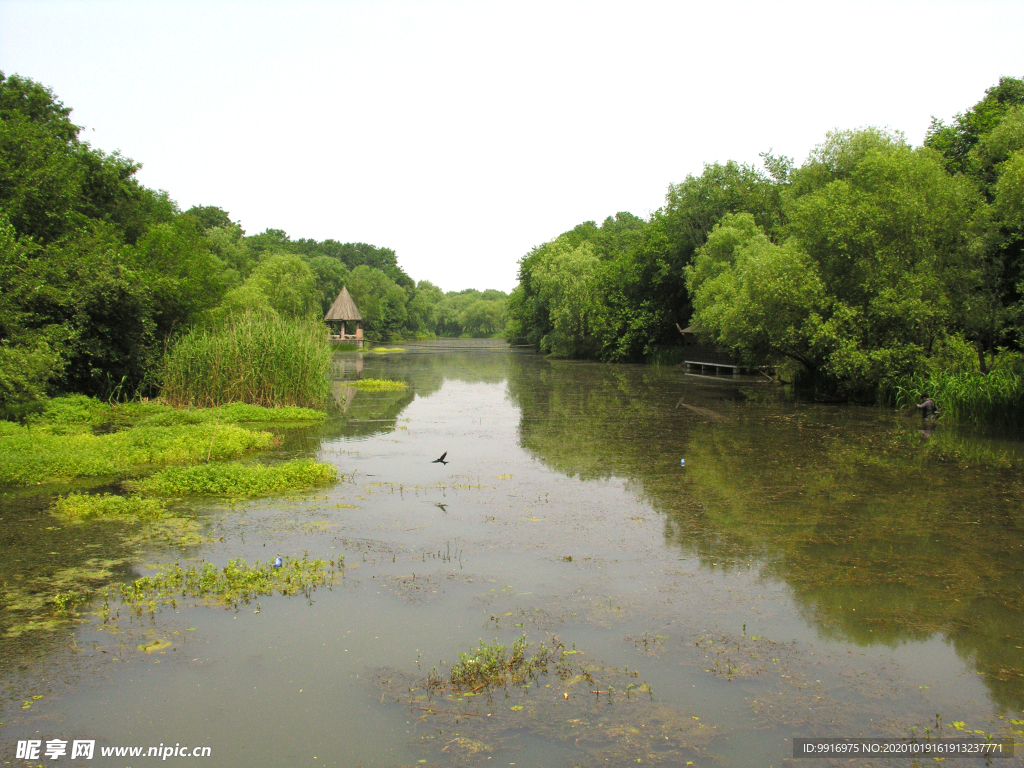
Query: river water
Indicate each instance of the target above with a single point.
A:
(813, 570)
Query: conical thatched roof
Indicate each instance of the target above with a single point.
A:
(343, 308)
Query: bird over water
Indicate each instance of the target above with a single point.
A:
(440, 460)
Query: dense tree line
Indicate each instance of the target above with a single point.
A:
(872, 261)
(99, 275)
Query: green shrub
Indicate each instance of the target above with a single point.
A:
(255, 359)
(237, 480)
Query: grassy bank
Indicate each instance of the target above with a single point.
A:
(255, 359)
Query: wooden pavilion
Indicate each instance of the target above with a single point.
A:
(343, 317)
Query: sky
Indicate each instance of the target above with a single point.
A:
(462, 134)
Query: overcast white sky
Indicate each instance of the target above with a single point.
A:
(461, 134)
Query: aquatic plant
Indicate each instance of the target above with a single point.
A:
(386, 350)
(969, 396)
(492, 665)
(84, 506)
(33, 456)
(251, 358)
(377, 385)
(235, 583)
(237, 480)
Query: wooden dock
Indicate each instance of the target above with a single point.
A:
(734, 369)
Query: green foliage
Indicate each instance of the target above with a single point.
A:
(84, 506)
(377, 385)
(848, 272)
(237, 480)
(956, 141)
(761, 300)
(381, 301)
(256, 359)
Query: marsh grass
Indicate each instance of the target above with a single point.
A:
(255, 359)
(237, 480)
(970, 397)
(32, 456)
(236, 583)
(84, 506)
(377, 385)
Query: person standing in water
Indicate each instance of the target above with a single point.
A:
(928, 408)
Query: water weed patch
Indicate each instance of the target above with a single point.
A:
(377, 385)
(236, 583)
(36, 456)
(237, 480)
(84, 506)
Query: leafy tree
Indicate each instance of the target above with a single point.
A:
(761, 300)
(482, 318)
(956, 141)
(381, 301)
(331, 276)
(185, 278)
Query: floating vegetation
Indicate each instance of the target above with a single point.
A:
(79, 413)
(46, 602)
(31, 456)
(84, 506)
(237, 480)
(605, 715)
(236, 583)
(231, 413)
(378, 385)
(492, 665)
(257, 359)
(386, 350)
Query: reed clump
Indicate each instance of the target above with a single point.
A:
(256, 359)
(968, 396)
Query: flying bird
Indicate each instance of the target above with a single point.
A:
(440, 460)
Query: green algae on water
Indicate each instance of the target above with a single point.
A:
(84, 506)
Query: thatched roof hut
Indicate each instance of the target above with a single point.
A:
(343, 308)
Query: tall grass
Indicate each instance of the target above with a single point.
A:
(256, 359)
(972, 397)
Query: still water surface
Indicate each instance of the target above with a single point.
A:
(812, 571)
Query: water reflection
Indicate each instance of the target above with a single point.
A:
(884, 538)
